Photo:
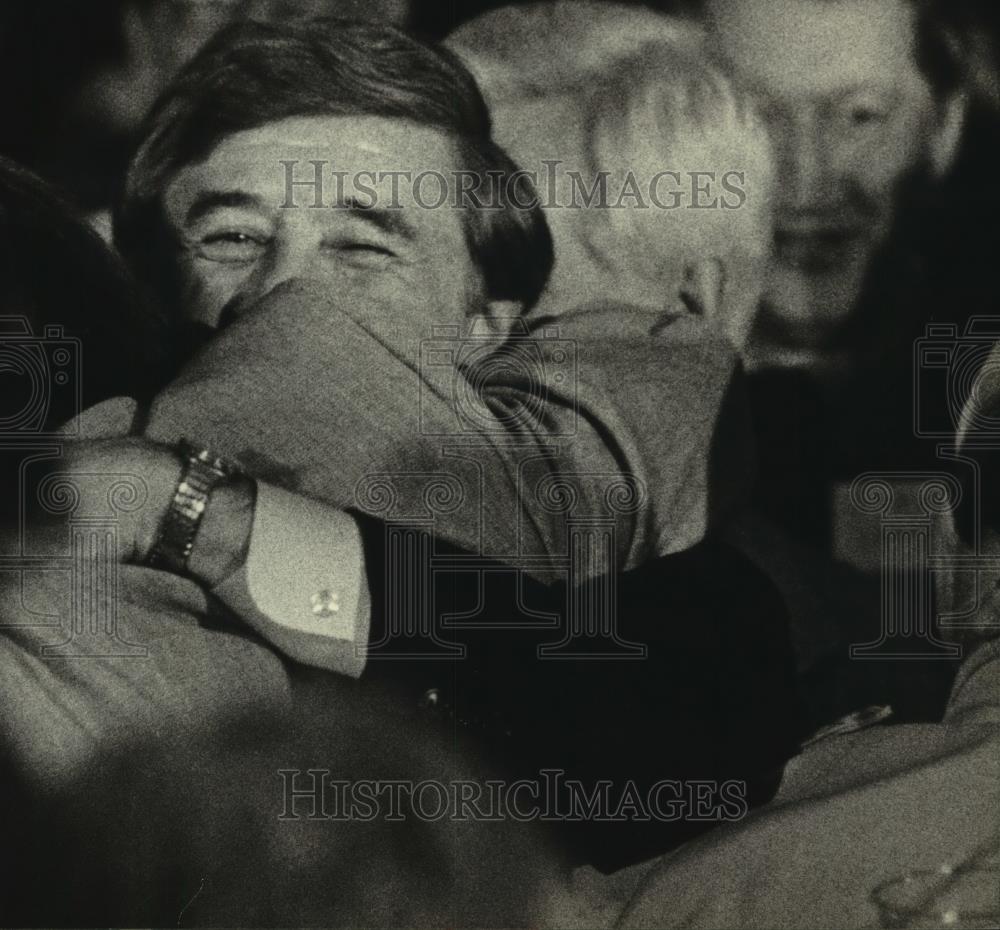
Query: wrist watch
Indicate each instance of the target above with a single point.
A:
(203, 471)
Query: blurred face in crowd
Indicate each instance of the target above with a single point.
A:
(252, 216)
(851, 116)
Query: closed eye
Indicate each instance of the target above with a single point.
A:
(361, 254)
(862, 111)
(365, 247)
(863, 116)
(233, 247)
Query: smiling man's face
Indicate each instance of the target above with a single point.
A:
(242, 230)
(852, 116)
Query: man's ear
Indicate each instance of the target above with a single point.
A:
(947, 136)
(499, 316)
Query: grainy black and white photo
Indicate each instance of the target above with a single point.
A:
(500, 464)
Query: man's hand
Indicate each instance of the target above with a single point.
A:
(91, 468)
(129, 482)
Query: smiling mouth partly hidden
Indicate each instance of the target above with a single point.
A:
(817, 250)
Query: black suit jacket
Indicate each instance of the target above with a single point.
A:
(695, 685)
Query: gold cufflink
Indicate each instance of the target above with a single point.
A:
(325, 604)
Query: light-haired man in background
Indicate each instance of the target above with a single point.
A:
(655, 173)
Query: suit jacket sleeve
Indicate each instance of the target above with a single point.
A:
(614, 462)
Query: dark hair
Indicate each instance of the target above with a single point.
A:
(55, 271)
(940, 33)
(252, 74)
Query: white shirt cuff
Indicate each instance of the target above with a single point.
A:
(303, 585)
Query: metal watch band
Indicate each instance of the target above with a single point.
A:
(201, 473)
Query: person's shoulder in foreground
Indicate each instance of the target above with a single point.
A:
(855, 812)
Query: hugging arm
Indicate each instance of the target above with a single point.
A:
(312, 393)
